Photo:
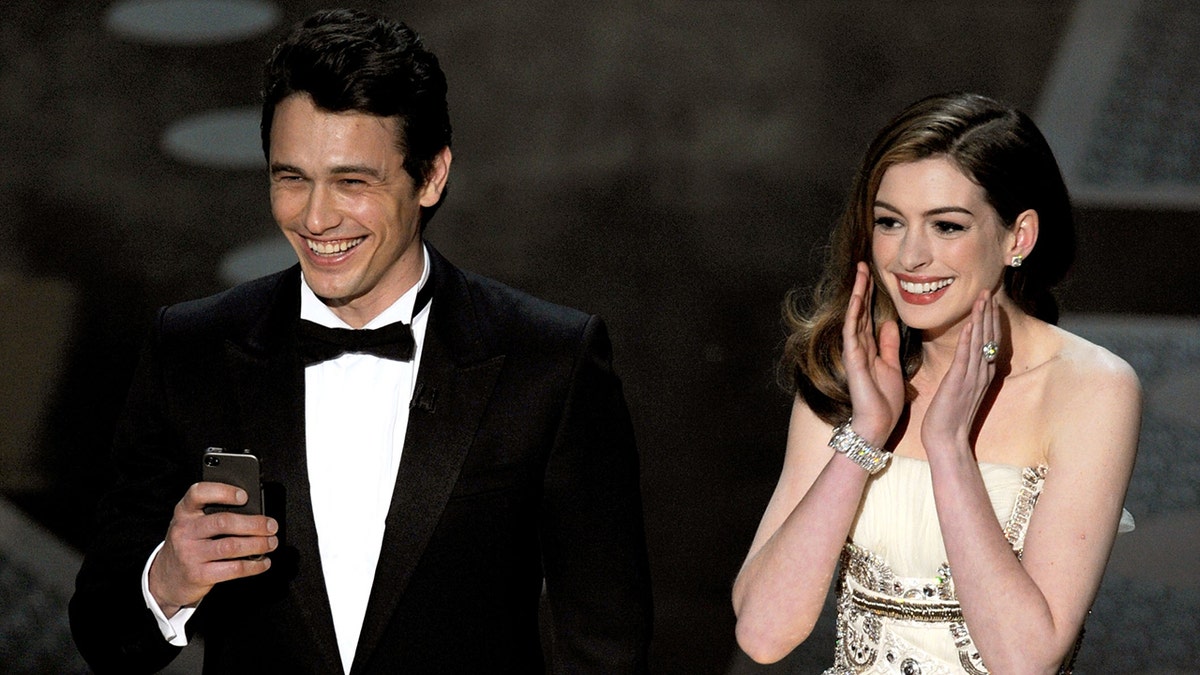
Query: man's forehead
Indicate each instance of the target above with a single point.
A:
(346, 138)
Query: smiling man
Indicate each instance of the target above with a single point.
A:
(341, 195)
(438, 451)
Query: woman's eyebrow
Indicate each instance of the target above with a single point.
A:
(931, 212)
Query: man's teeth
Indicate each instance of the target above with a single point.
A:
(332, 247)
(928, 287)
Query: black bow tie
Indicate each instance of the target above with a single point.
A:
(394, 341)
(319, 343)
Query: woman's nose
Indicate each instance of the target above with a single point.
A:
(914, 249)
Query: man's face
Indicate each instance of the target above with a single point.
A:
(341, 196)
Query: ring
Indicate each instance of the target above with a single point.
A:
(990, 350)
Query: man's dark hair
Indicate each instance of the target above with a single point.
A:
(348, 60)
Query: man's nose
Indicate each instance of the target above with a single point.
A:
(320, 214)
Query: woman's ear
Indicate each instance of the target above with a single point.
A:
(1022, 237)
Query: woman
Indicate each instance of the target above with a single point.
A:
(936, 405)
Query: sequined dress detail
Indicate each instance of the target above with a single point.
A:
(897, 613)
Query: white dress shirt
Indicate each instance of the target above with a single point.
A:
(356, 416)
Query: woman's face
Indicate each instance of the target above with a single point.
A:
(936, 243)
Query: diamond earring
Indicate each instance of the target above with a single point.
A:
(1017, 260)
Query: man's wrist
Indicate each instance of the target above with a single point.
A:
(170, 618)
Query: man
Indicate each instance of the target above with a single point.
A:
(416, 506)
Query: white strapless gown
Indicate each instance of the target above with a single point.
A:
(897, 611)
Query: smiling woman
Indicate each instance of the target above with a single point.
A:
(953, 406)
(938, 244)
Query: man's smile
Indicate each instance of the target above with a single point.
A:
(332, 247)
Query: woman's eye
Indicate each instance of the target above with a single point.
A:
(886, 222)
(947, 227)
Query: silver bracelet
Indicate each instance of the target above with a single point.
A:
(857, 449)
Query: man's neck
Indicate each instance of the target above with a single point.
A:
(362, 312)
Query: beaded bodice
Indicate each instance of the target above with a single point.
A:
(897, 612)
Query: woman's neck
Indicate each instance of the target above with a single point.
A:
(937, 351)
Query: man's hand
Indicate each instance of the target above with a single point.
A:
(202, 550)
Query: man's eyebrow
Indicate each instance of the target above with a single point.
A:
(277, 167)
(363, 169)
(931, 212)
(357, 168)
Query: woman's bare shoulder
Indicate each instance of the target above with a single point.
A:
(1091, 390)
(1082, 366)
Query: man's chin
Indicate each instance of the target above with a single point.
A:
(332, 289)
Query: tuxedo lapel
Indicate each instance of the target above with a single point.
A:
(454, 383)
(269, 383)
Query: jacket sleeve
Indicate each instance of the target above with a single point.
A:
(594, 549)
(111, 625)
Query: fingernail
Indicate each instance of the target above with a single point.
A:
(272, 526)
(241, 496)
(272, 542)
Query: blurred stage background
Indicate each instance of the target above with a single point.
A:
(673, 166)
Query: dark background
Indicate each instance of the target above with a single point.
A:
(673, 166)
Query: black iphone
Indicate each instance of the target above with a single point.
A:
(238, 468)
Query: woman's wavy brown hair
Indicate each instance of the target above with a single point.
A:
(997, 147)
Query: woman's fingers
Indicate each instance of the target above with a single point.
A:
(971, 371)
(866, 328)
(964, 352)
(889, 344)
(852, 325)
(858, 336)
(997, 333)
(872, 370)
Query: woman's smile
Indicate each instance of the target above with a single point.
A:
(920, 291)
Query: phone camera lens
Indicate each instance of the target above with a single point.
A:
(212, 461)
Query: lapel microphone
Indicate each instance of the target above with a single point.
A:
(423, 398)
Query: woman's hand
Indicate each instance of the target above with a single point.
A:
(951, 413)
(873, 371)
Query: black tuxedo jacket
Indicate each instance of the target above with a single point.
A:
(519, 467)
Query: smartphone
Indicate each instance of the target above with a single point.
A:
(234, 467)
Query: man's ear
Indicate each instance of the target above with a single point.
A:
(431, 192)
(1023, 236)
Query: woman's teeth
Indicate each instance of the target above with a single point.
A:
(928, 287)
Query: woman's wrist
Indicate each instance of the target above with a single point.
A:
(947, 444)
(872, 458)
(874, 432)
